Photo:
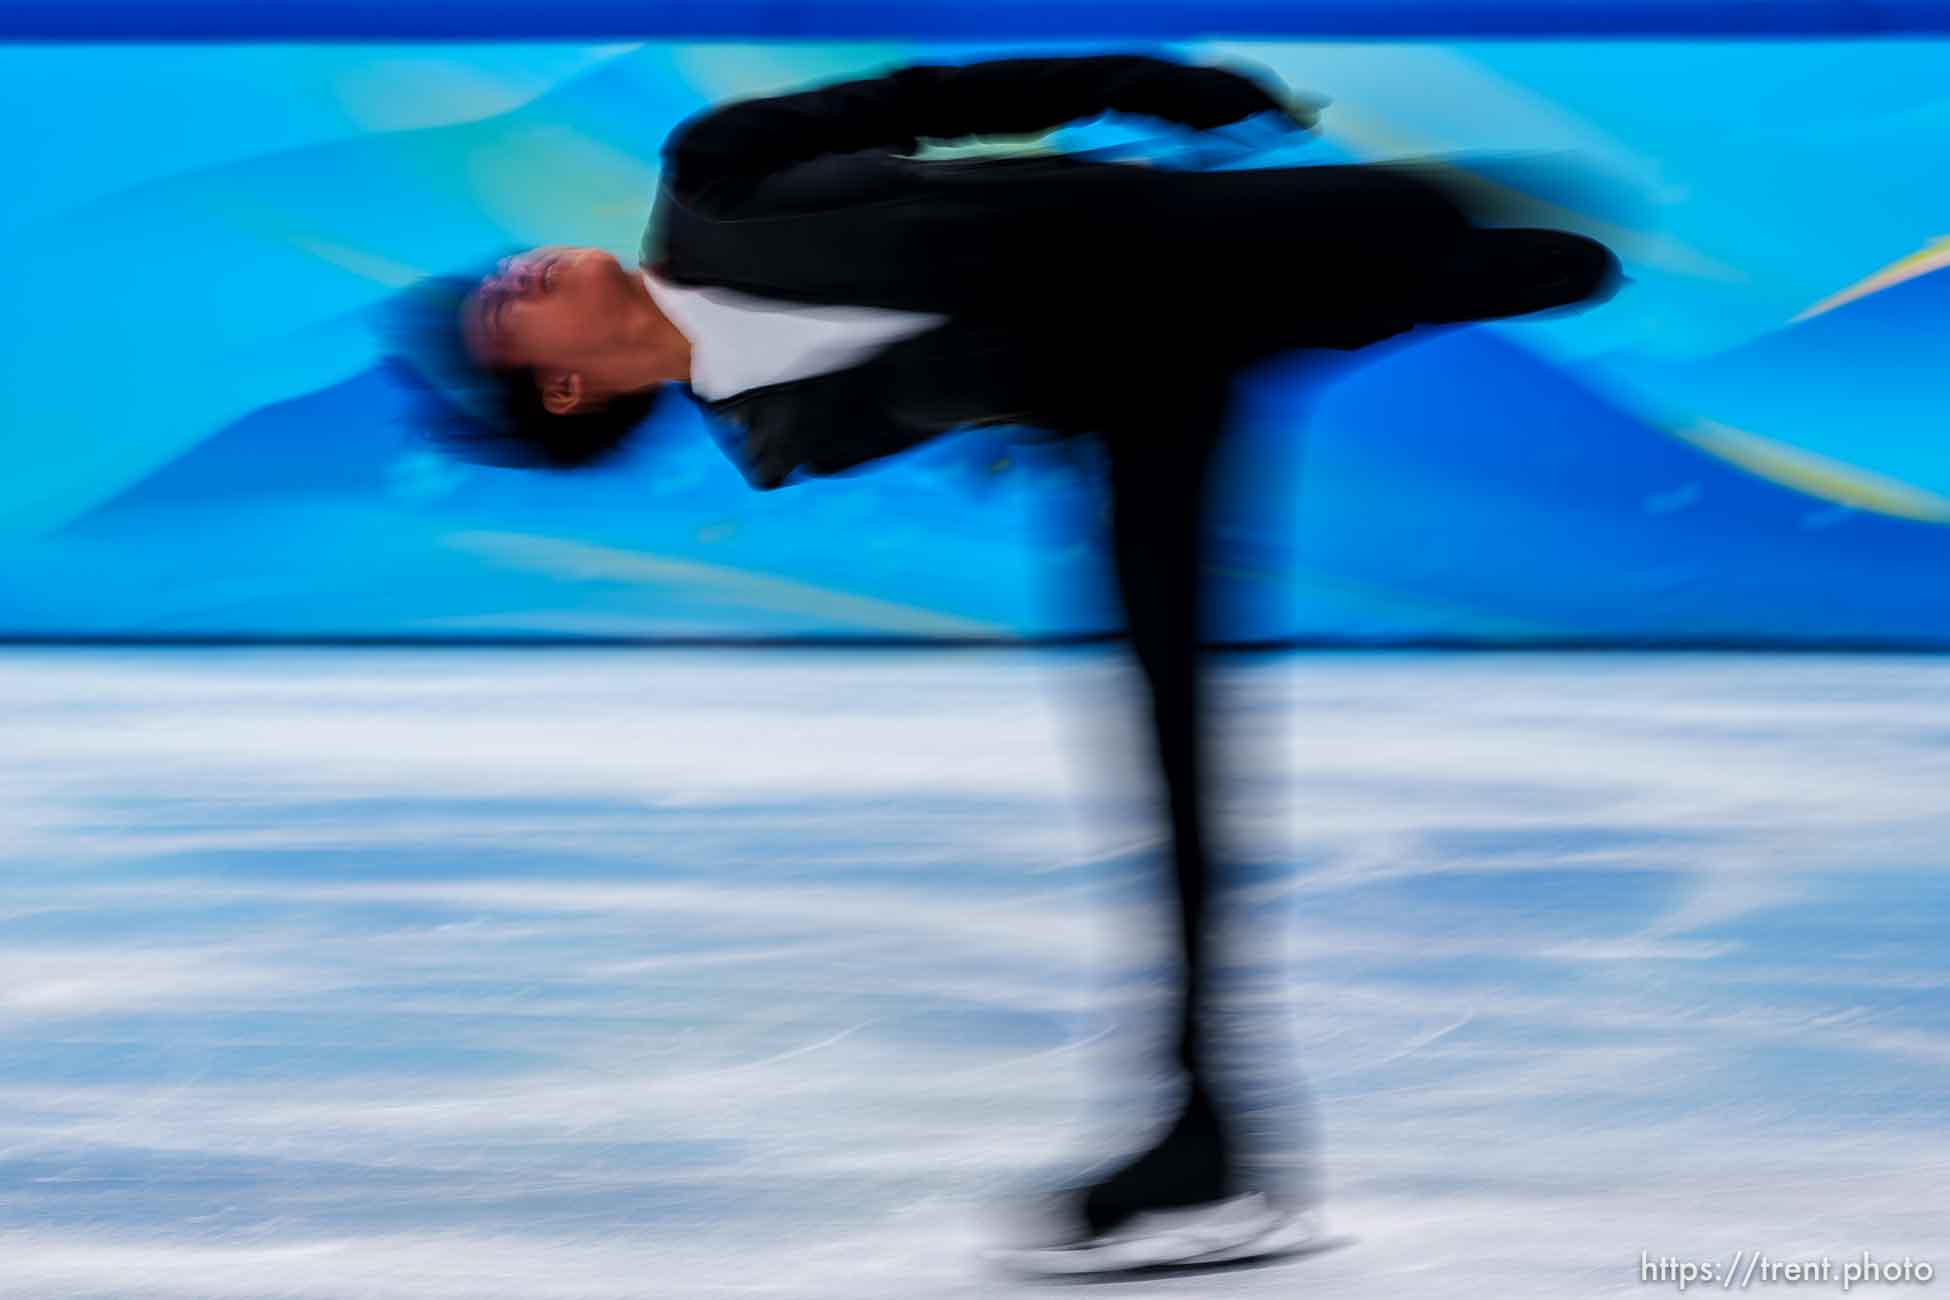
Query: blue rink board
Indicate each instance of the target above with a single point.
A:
(204, 437)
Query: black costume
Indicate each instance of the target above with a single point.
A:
(1108, 299)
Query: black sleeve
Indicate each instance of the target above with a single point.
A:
(753, 137)
(816, 429)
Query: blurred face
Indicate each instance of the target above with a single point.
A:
(557, 309)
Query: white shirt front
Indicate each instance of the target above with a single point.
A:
(741, 341)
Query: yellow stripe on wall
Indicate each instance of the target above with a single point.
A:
(1934, 257)
(575, 560)
(1804, 471)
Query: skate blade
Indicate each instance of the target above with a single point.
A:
(1289, 1234)
(1244, 1228)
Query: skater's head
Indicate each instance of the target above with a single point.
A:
(549, 357)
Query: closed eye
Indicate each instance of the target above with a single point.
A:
(488, 316)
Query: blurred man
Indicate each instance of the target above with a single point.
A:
(834, 301)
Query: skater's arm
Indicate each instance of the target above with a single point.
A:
(750, 138)
(829, 428)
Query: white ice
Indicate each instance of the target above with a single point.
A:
(683, 975)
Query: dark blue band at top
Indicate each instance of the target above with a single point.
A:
(1090, 20)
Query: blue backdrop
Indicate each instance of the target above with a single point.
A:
(202, 438)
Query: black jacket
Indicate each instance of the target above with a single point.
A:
(1048, 267)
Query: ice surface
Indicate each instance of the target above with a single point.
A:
(542, 975)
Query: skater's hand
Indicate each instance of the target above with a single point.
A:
(1297, 117)
(1303, 108)
(1243, 93)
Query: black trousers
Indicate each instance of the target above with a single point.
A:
(1161, 456)
(1160, 499)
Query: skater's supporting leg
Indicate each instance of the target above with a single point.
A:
(1159, 480)
(1159, 484)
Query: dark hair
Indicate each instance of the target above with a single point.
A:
(492, 415)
